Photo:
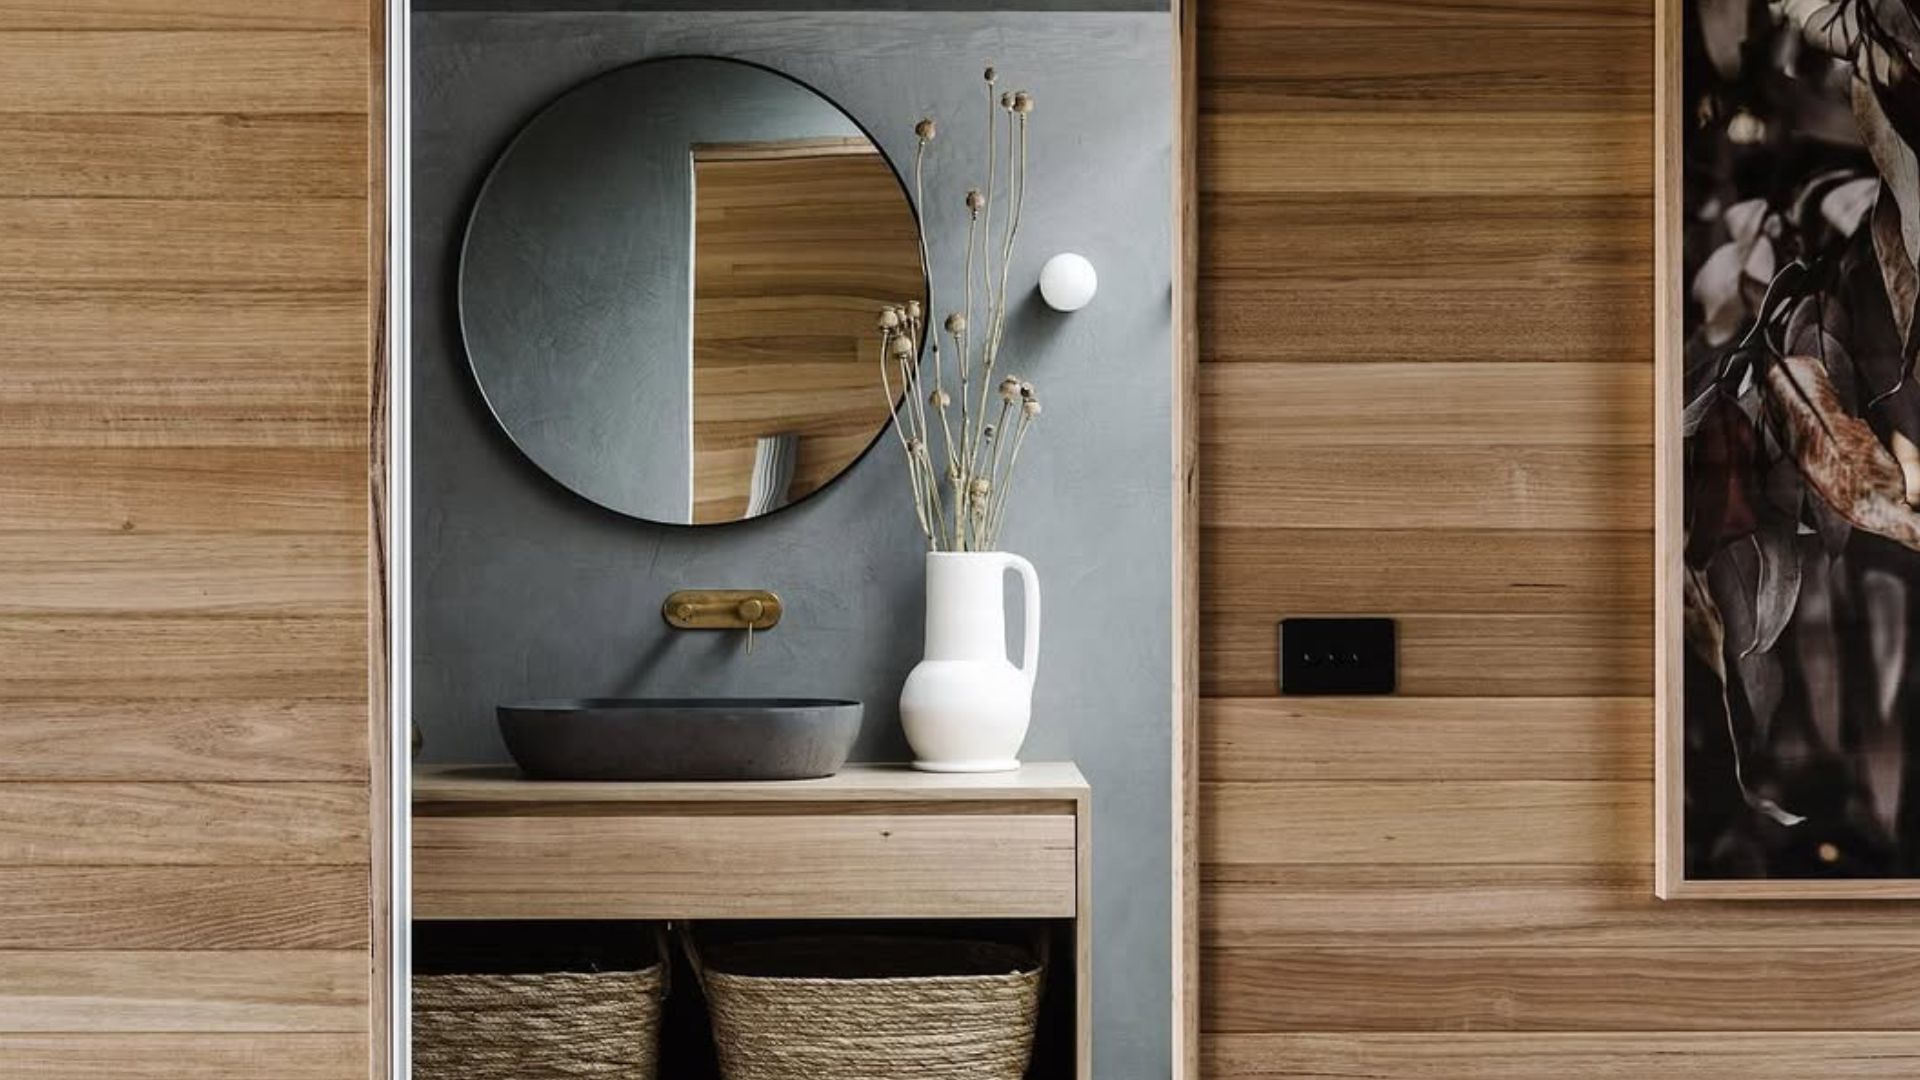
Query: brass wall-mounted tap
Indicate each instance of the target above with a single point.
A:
(723, 609)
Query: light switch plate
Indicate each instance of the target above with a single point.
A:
(1338, 656)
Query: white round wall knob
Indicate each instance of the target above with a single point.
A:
(1068, 282)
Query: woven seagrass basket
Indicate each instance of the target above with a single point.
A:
(870, 1008)
(550, 1005)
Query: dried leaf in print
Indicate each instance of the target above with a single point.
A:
(1777, 590)
(1884, 596)
(1706, 634)
(1838, 454)
(1893, 157)
(1817, 649)
(1706, 639)
(1724, 463)
(1846, 205)
(1897, 273)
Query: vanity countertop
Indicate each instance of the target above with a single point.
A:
(878, 783)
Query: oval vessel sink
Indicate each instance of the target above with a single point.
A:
(680, 738)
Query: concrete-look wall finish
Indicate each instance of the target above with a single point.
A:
(523, 589)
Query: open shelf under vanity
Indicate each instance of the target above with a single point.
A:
(881, 847)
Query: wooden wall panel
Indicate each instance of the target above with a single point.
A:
(188, 806)
(1425, 316)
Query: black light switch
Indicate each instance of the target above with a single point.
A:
(1337, 656)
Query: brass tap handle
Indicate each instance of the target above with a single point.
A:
(722, 609)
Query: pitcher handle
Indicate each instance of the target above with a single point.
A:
(1030, 664)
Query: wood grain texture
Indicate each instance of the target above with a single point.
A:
(1428, 66)
(1376, 823)
(1792, 1055)
(137, 573)
(185, 820)
(307, 246)
(1505, 988)
(1056, 785)
(182, 15)
(1588, 654)
(1425, 153)
(219, 490)
(795, 251)
(187, 71)
(214, 374)
(1428, 265)
(1185, 780)
(185, 383)
(148, 907)
(1219, 21)
(1669, 689)
(116, 824)
(1278, 572)
(1543, 907)
(184, 655)
(1414, 320)
(1249, 484)
(1411, 738)
(223, 738)
(193, 1056)
(1412, 278)
(182, 156)
(1418, 405)
(745, 866)
(285, 990)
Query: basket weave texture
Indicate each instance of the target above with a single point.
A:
(552, 1026)
(859, 1009)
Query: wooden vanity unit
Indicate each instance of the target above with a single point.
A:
(873, 842)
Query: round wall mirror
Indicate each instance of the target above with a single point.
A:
(669, 284)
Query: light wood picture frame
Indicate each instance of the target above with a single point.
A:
(1787, 591)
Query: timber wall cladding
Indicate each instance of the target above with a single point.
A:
(1425, 316)
(184, 462)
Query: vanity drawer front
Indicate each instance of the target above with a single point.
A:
(740, 866)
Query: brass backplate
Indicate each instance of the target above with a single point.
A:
(722, 609)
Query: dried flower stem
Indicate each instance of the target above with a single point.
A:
(960, 500)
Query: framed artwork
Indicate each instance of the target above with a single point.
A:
(1787, 505)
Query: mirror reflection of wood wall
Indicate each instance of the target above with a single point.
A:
(797, 244)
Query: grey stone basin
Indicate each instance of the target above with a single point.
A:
(680, 738)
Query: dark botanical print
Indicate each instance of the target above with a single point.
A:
(1802, 438)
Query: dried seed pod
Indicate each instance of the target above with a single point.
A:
(1026, 390)
(1006, 100)
(1009, 388)
(889, 318)
(1031, 407)
(939, 399)
(913, 311)
(956, 323)
(903, 347)
(925, 129)
(1023, 102)
(992, 74)
(976, 202)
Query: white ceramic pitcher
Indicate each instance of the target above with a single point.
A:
(965, 706)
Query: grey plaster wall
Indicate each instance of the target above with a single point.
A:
(521, 588)
(576, 288)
